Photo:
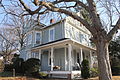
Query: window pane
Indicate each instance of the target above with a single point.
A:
(38, 38)
(51, 34)
(81, 37)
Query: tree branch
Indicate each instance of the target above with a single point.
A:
(113, 30)
(77, 2)
(28, 9)
(94, 16)
(51, 7)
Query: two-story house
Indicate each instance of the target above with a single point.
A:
(61, 47)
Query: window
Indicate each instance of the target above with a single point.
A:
(35, 55)
(38, 38)
(51, 34)
(81, 37)
(29, 39)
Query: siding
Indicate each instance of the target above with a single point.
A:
(23, 54)
(45, 36)
(74, 33)
(59, 32)
(59, 58)
(44, 62)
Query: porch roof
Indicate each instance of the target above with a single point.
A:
(62, 41)
(51, 43)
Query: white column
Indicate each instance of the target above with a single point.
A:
(40, 54)
(81, 55)
(40, 58)
(69, 56)
(52, 59)
(65, 60)
(91, 63)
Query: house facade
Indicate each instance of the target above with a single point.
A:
(61, 47)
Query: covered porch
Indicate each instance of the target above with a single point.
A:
(64, 57)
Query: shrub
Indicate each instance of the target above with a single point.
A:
(85, 70)
(1, 65)
(8, 67)
(115, 70)
(43, 75)
(32, 66)
(93, 72)
(18, 65)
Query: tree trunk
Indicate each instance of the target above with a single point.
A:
(103, 60)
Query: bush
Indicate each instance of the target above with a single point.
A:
(85, 70)
(8, 67)
(18, 65)
(43, 75)
(115, 70)
(93, 72)
(32, 66)
(1, 65)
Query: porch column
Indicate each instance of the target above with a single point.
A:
(51, 58)
(65, 60)
(81, 55)
(69, 56)
(40, 58)
(39, 54)
(91, 63)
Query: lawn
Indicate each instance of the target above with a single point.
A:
(24, 78)
(114, 78)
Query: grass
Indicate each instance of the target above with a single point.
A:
(5, 74)
(24, 78)
(114, 78)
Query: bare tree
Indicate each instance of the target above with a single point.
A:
(100, 36)
(7, 43)
(19, 25)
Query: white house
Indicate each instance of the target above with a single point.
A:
(61, 47)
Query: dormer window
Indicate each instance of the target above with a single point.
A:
(38, 38)
(51, 34)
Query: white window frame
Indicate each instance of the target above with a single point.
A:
(40, 37)
(53, 34)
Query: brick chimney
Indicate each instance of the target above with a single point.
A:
(52, 21)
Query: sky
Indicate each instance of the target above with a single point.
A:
(28, 2)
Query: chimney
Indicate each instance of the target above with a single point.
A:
(52, 21)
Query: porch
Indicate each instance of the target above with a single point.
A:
(64, 57)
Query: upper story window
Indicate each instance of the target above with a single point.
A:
(81, 37)
(51, 34)
(38, 38)
(29, 38)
